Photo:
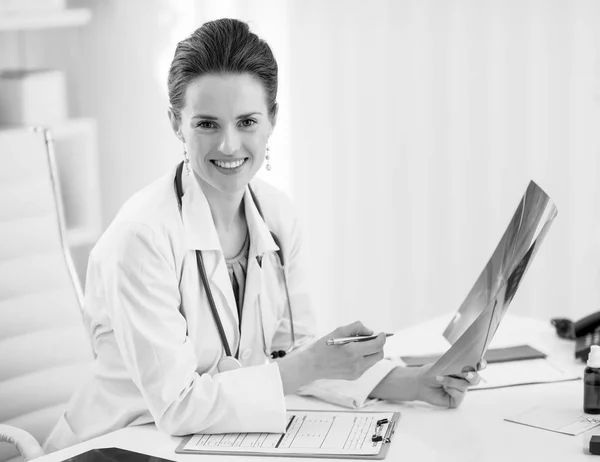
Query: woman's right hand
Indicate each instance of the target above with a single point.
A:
(349, 361)
(321, 361)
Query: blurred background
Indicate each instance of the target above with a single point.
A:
(408, 132)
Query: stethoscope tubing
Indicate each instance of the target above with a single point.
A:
(206, 284)
(287, 293)
(211, 302)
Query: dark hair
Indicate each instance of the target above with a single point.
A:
(219, 47)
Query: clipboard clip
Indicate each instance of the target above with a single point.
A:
(377, 436)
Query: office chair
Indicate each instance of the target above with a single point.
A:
(45, 352)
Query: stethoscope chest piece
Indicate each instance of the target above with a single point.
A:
(228, 363)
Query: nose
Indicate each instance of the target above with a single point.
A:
(230, 142)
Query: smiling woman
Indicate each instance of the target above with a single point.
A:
(222, 109)
(225, 127)
(196, 294)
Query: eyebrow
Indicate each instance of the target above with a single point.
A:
(209, 117)
(249, 114)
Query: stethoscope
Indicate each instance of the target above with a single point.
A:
(229, 362)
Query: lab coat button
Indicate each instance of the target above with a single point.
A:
(246, 354)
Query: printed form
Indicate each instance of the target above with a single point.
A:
(307, 432)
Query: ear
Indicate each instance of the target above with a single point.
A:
(175, 124)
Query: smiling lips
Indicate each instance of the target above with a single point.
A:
(229, 164)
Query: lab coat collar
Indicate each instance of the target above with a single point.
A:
(261, 240)
(201, 233)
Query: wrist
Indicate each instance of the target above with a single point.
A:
(310, 365)
(296, 370)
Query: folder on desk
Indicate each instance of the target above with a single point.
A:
(492, 355)
(315, 434)
(474, 325)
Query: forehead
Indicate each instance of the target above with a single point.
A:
(225, 95)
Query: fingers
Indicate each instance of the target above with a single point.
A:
(456, 397)
(481, 365)
(454, 383)
(349, 361)
(365, 363)
(369, 347)
(363, 355)
(370, 360)
(356, 328)
(456, 387)
(472, 378)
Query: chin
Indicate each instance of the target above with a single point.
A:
(232, 186)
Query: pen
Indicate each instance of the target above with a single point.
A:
(357, 338)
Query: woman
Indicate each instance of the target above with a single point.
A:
(195, 294)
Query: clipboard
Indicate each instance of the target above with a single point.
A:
(309, 433)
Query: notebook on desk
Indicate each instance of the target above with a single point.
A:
(492, 355)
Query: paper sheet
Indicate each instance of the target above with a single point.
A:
(530, 371)
(326, 433)
(561, 420)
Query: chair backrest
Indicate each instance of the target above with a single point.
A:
(45, 352)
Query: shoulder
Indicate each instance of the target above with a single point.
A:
(152, 205)
(149, 220)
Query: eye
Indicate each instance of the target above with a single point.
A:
(247, 123)
(206, 124)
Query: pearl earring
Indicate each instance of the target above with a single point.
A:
(268, 159)
(186, 161)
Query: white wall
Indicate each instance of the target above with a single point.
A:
(122, 83)
(416, 128)
(408, 132)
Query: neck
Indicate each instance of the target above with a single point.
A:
(225, 208)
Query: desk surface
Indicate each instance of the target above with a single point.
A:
(474, 432)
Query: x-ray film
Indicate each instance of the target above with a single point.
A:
(476, 321)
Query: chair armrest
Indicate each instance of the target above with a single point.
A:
(26, 444)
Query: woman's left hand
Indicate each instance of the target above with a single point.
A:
(414, 383)
(446, 391)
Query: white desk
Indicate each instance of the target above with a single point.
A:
(474, 432)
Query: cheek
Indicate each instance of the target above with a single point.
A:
(201, 146)
(256, 144)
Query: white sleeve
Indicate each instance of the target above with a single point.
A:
(139, 289)
(348, 393)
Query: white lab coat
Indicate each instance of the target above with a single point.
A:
(155, 340)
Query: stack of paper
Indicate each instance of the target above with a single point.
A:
(560, 419)
(531, 371)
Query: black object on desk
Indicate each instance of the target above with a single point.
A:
(595, 445)
(584, 343)
(585, 332)
(492, 355)
(114, 455)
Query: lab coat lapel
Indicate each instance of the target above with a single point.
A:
(201, 234)
(261, 242)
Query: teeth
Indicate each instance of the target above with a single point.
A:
(235, 164)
